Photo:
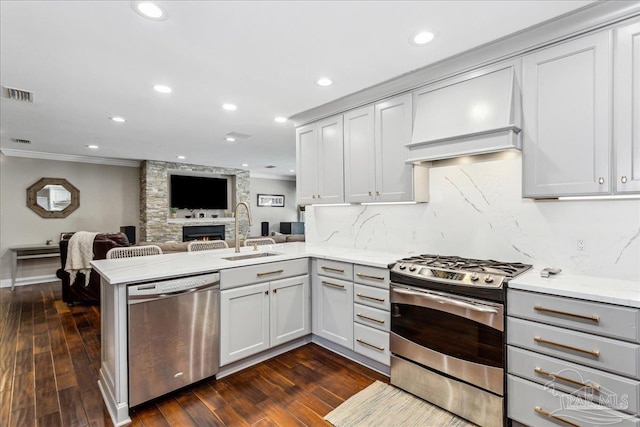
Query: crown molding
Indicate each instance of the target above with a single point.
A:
(596, 16)
(9, 152)
(267, 176)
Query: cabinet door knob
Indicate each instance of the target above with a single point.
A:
(377, 193)
(318, 196)
(313, 195)
(601, 180)
(370, 193)
(623, 179)
(266, 292)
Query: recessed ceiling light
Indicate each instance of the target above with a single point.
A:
(230, 139)
(181, 157)
(280, 119)
(150, 10)
(92, 146)
(324, 82)
(162, 89)
(244, 165)
(118, 119)
(292, 170)
(230, 107)
(421, 38)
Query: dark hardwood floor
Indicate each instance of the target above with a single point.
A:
(50, 356)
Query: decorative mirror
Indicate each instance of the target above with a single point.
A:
(53, 198)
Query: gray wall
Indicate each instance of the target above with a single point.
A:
(272, 215)
(109, 198)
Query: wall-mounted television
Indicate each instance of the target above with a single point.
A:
(198, 192)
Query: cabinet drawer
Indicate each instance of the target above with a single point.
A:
(373, 297)
(576, 379)
(373, 317)
(371, 343)
(525, 397)
(602, 353)
(598, 318)
(240, 276)
(337, 269)
(372, 276)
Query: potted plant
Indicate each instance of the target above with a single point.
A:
(174, 211)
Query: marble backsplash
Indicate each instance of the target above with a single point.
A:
(476, 210)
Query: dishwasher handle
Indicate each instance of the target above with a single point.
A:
(137, 299)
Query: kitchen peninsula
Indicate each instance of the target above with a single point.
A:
(118, 274)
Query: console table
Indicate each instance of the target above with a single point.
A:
(30, 252)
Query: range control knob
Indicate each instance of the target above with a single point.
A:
(474, 277)
(402, 266)
(412, 268)
(488, 279)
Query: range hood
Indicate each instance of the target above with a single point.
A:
(476, 115)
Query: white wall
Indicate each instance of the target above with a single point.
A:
(109, 198)
(476, 210)
(271, 214)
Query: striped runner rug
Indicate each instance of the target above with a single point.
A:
(381, 404)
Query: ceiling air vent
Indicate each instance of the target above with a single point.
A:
(17, 94)
(270, 166)
(20, 141)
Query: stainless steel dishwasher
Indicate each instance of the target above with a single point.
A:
(174, 331)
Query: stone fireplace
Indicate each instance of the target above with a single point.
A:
(155, 223)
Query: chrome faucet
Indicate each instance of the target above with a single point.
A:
(237, 225)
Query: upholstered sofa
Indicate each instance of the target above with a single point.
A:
(171, 247)
(77, 291)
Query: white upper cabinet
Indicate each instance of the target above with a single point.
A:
(566, 107)
(319, 148)
(626, 130)
(359, 156)
(375, 139)
(394, 177)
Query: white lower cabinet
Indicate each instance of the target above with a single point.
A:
(564, 369)
(333, 305)
(257, 317)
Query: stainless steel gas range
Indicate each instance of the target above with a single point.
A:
(447, 333)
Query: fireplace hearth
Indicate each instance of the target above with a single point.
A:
(202, 232)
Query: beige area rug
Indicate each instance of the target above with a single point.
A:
(381, 404)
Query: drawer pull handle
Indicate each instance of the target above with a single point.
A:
(270, 272)
(366, 276)
(594, 353)
(541, 411)
(336, 270)
(370, 345)
(370, 318)
(333, 285)
(540, 371)
(371, 298)
(565, 313)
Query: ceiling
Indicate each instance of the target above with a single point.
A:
(87, 61)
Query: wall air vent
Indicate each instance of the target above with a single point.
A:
(238, 135)
(20, 141)
(17, 94)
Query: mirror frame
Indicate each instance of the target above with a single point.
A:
(32, 201)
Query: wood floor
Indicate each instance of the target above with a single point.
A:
(50, 356)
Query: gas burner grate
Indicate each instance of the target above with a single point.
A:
(507, 269)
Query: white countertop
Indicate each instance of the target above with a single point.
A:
(141, 269)
(601, 289)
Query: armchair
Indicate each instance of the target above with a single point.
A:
(76, 291)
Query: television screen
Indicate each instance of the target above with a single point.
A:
(198, 192)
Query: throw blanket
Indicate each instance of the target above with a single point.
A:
(79, 255)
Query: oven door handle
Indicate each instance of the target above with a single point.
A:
(445, 300)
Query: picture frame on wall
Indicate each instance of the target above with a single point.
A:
(271, 200)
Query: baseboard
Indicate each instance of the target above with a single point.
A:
(24, 281)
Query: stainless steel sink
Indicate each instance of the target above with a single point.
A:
(249, 256)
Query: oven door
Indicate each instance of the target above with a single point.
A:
(459, 336)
